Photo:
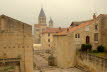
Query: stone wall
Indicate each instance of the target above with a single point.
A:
(103, 29)
(38, 28)
(91, 62)
(47, 40)
(64, 51)
(16, 41)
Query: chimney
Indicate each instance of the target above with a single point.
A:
(59, 28)
(94, 16)
(67, 29)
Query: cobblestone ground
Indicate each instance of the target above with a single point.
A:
(40, 59)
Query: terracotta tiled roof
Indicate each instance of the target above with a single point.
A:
(53, 30)
(78, 23)
(71, 29)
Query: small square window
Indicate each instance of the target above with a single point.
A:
(76, 36)
(48, 40)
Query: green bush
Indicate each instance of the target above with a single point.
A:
(86, 47)
(100, 48)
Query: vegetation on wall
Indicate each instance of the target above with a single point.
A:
(86, 47)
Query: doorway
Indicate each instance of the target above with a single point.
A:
(87, 39)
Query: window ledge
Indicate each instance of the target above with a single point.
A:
(96, 41)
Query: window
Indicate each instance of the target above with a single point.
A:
(96, 27)
(48, 40)
(4, 47)
(96, 37)
(77, 35)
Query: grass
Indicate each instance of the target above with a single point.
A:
(101, 54)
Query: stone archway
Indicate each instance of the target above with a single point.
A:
(87, 39)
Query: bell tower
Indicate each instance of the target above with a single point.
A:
(50, 23)
(42, 17)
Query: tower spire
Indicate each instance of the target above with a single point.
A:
(50, 22)
(42, 13)
(42, 17)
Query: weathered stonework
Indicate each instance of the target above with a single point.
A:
(16, 42)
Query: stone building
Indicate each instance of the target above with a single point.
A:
(39, 27)
(50, 23)
(16, 44)
(47, 37)
(42, 25)
(66, 43)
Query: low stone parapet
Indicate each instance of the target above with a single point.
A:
(92, 62)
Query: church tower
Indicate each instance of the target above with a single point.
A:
(42, 18)
(50, 23)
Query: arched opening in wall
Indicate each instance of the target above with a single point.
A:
(87, 39)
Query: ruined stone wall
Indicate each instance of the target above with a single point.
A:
(91, 62)
(16, 41)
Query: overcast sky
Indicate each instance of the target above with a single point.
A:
(63, 12)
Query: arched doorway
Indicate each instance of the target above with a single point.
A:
(87, 39)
